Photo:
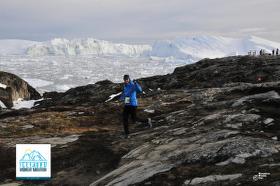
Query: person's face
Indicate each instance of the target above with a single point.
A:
(126, 81)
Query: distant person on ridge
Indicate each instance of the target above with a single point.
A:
(131, 88)
(273, 51)
(277, 51)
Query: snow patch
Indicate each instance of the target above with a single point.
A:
(3, 86)
(63, 88)
(25, 127)
(149, 111)
(20, 103)
(2, 105)
(113, 96)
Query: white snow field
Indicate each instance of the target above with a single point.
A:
(60, 64)
(60, 73)
(13, 46)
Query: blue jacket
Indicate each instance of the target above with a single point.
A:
(130, 90)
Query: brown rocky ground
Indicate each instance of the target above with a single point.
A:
(215, 122)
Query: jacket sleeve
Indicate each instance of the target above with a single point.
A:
(138, 88)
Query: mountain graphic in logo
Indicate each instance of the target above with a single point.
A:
(33, 161)
(33, 156)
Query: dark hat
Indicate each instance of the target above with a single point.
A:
(125, 77)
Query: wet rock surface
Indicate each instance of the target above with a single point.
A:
(214, 123)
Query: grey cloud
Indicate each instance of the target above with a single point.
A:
(137, 20)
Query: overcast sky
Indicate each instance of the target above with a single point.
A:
(137, 20)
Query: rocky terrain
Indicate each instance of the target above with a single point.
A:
(13, 88)
(215, 122)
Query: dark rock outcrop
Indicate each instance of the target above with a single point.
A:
(15, 88)
(84, 95)
(6, 96)
(216, 72)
